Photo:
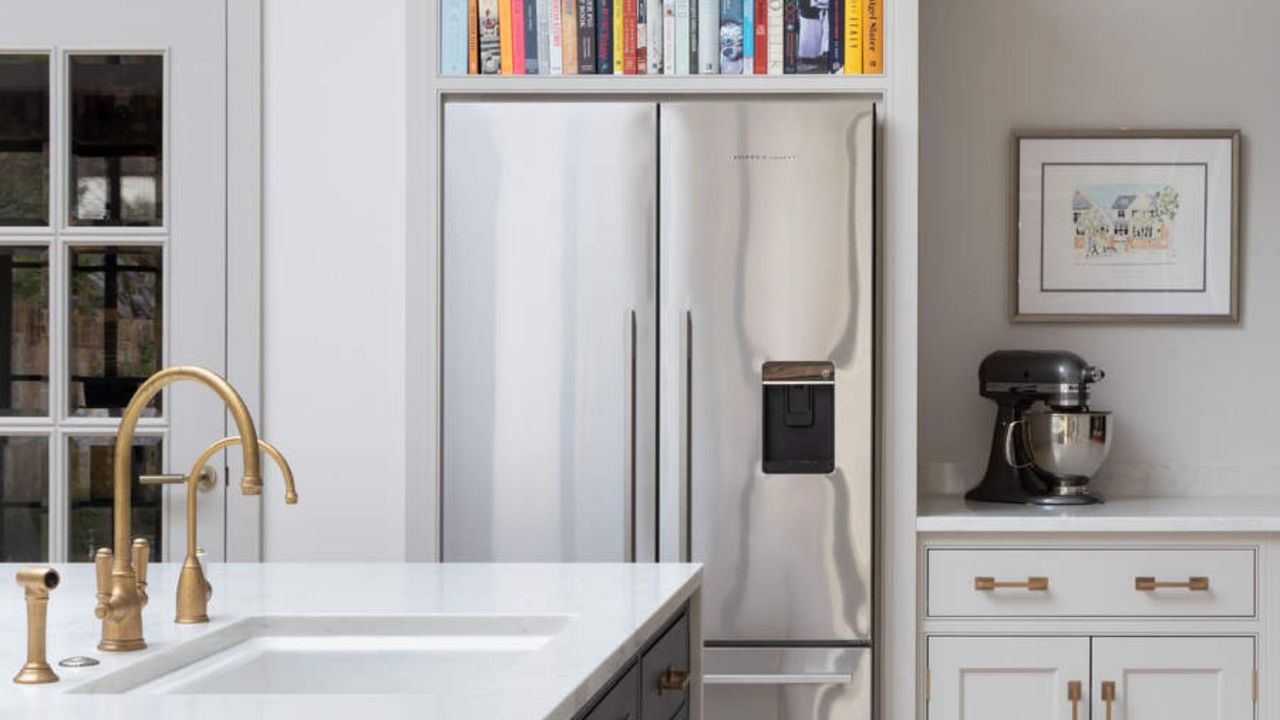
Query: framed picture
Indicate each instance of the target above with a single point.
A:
(1126, 226)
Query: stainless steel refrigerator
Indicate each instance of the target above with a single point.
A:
(658, 344)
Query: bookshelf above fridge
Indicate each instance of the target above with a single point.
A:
(815, 45)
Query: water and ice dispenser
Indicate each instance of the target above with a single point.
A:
(799, 417)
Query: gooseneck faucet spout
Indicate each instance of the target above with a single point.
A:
(121, 590)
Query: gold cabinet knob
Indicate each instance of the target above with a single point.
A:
(1033, 584)
(1195, 584)
(1073, 694)
(1108, 695)
(673, 681)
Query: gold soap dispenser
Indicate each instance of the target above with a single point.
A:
(37, 582)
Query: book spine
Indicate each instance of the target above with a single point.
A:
(668, 37)
(694, 37)
(453, 37)
(790, 36)
(555, 49)
(530, 37)
(748, 37)
(586, 37)
(709, 36)
(473, 37)
(490, 43)
(730, 37)
(642, 37)
(835, 35)
(604, 37)
(762, 37)
(873, 36)
(629, 37)
(619, 36)
(544, 37)
(775, 37)
(853, 38)
(568, 37)
(681, 58)
(505, 66)
(517, 36)
(654, 26)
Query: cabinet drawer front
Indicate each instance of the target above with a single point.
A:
(662, 669)
(1091, 582)
(622, 701)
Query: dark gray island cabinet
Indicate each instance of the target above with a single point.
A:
(655, 684)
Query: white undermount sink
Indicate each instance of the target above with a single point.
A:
(339, 654)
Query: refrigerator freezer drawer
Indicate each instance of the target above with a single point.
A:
(787, 683)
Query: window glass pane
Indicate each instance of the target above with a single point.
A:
(116, 139)
(115, 315)
(90, 462)
(24, 499)
(24, 140)
(24, 320)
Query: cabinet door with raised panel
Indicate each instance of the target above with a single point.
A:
(1206, 678)
(1008, 678)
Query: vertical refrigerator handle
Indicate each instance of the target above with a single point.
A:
(629, 476)
(686, 445)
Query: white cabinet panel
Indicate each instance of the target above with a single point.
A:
(1091, 582)
(1007, 678)
(1206, 678)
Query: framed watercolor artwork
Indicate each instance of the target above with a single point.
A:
(1127, 226)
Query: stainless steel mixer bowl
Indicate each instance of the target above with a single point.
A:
(1068, 446)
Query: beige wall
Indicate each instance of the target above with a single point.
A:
(1193, 402)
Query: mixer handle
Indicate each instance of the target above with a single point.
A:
(1009, 456)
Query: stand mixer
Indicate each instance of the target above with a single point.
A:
(1043, 457)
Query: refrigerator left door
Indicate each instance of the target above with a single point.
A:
(549, 325)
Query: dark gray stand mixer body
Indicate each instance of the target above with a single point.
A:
(1016, 380)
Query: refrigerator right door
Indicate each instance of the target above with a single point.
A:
(766, 371)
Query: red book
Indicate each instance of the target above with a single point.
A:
(762, 37)
(517, 37)
(629, 37)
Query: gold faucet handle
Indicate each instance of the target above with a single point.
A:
(102, 565)
(165, 479)
(141, 555)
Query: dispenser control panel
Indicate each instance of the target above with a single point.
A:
(799, 417)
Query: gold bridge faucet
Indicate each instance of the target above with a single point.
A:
(194, 589)
(121, 586)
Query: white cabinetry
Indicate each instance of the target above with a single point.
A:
(1008, 678)
(1206, 678)
(1100, 628)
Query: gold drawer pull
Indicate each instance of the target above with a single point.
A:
(1149, 583)
(1073, 694)
(1035, 584)
(1108, 695)
(673, 681)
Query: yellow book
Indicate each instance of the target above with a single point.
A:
(619, 41)
(569, 33)
(504, 37)
(853, 37)
(873, 37)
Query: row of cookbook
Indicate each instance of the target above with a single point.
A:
(669, 37)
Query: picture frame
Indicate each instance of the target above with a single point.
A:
(1130, 226)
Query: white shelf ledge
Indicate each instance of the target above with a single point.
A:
(1254, 514)
(651, 84)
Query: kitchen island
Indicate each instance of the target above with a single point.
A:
(494, 641)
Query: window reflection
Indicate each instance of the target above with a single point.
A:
(117, 134)
(90, 478)
(24, 140)
(115, 333)
(24, 331)
(24, 499)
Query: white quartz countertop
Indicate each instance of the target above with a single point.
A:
(1212, 514)
(612, 609)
